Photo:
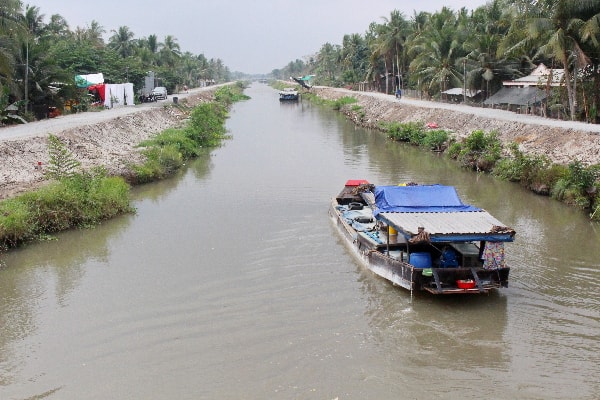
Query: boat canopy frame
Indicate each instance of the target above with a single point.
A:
(439, 211)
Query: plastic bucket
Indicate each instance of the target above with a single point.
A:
(392, 231)
(420, 260)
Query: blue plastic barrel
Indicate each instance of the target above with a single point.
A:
(420, 260)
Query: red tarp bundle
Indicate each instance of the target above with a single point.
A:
(100, 88)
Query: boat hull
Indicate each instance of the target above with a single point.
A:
(392, 266)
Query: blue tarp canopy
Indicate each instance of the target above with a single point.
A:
(420, 198)
(439, 210)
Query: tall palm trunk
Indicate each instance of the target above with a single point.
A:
(386, 76)
(570, 91)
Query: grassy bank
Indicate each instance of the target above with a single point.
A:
(574, 184)
(77, 198)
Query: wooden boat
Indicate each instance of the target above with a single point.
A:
(423, 237)
(288, 94)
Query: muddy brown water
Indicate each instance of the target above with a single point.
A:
(230, 282)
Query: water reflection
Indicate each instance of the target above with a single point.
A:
(156, 191)
(44, 272)
(445, 333)
(230, 282)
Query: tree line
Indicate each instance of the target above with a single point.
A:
(474, 50)
(40, 57)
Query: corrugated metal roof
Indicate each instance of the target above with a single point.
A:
(443, 223)
(517, 96)
(460, 91)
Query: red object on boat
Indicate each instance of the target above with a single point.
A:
(356, 182)
(465, 283)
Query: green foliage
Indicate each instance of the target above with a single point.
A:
(176, 138)
(479, 151)
(454, 150)
(342, 101)
(230, 94)
(412, 132)
(416, 134)
(280, 85)
(577, 186)
(535, 172)
(167, 152)
(62, 163)
(149, 171)
(581, 177)
(334, 104)
(206, 125)
(435, 139)
(7, 117)
(15, 222)
(79, 200)
(161, 161)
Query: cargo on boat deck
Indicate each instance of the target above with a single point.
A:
(423, 237)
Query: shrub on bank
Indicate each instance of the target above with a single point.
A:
(436, 139)
(83, 199)
(342, 101)
(230, 94)
(337, 104)
(576, 187)
(206, 124)
(479, 151)
(167, 152)
(161, 162)
(410, 132)
(574, 184)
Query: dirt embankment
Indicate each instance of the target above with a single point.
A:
(106, 138)
(109, 138)
(562, 141)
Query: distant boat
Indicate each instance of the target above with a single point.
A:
(288, 94)
(423, 237)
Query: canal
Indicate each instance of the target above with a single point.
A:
(230, 282)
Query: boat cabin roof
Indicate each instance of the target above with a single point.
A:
(463, 226)
(439, 211)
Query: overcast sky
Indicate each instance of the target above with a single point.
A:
(252, 36)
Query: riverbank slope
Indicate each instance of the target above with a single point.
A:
(105, 138)
(562, 141)
(109, 138)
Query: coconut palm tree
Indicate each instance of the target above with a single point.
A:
(10, 30)
(380, 53)
(328, 59)
(590, 38)
(57, 26)
(153, 43)
(122, 41)
(354, 50)
(436, 52)
(558, 28)
(485, 30)
(394, 39)
(169, 52)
